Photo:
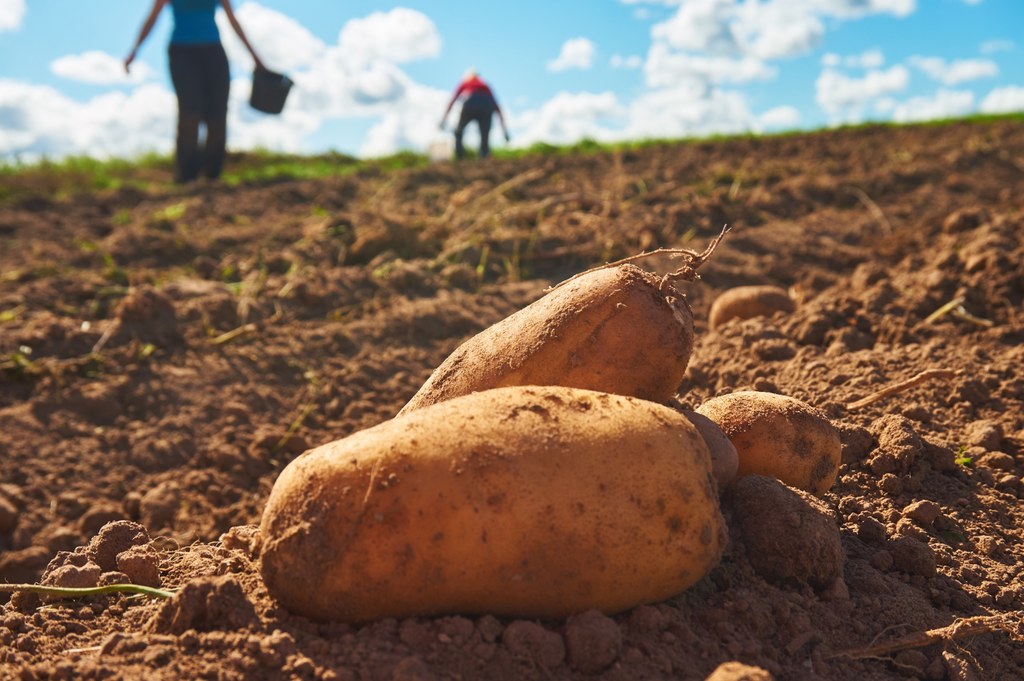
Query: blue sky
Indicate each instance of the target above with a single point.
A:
(374, 77)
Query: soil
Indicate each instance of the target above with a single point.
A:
(167, 352)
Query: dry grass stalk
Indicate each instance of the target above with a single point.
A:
(902, 386)
(960, 629)
(688, 272)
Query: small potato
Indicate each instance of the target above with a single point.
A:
(528, 502)
(744, 302)
(612, 330)
(778, 436)
(724, 460)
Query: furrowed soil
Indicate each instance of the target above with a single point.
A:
(165, 353)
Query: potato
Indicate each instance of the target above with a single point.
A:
(526, 502)
(778, 436)
(611, 330)
(744, 302)
(724, 460)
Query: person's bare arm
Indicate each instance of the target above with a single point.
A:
(226, 4)
(501, 118)
(144, 33)
(451, 103)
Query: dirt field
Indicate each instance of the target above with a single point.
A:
(164, 355)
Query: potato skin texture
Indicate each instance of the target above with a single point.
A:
(724, 459)
(610, 330)
(522, 502)
(744, 302)
(778, 436)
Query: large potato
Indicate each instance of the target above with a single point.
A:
(613, 330)
(778, 436)
(744, 302)
(523, 502)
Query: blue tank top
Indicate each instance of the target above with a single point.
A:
(194, 23)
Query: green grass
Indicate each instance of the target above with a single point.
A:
(154, 172)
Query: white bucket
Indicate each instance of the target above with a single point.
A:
(441, 149)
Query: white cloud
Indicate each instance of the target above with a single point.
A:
(665, 67)
(994, 46)
(12, 12)
(780, 118)
(34, 120)
(569, 117)
(951, 73)
(838, 94)
(687, 112)
(632, 61)
(871, 59)
(411, 126)
(576, 53)
(699, 26)
(775, 30)
(398, 36)
(282, 43)
(100, 68)
(943, 104)
(854, 9)
(1008, 99)
(771, 29)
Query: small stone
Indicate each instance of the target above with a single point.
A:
(534, 642)
(74, 576)
(890, 484)
(593, 641)
(923, 512)
(985, 434)
(141, 564)
(1008, 483)
(870, 530)
(114, 538)
(114, 577)
(997, 460)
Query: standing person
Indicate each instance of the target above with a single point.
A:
(478, 105)
(199, 71)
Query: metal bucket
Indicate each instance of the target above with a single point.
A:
(269, 91)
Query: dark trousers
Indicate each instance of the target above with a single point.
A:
(201, 81)
(478, 108)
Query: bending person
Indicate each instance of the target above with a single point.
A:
(199, 71)
(478, 105)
